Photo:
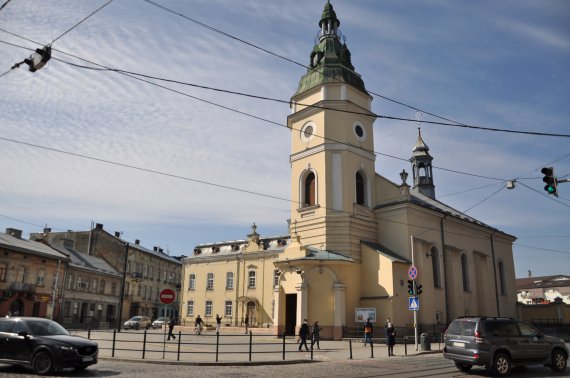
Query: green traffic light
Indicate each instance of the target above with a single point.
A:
(550, 189)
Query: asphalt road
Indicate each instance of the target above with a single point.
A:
(433, 365)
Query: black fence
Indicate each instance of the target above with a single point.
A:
(433, 332)
(153, 345)
(553, 327)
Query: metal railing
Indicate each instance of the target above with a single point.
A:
(156, 345)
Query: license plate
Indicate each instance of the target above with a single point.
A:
(458, 344)
(87, 359)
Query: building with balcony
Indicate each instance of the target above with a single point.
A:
(31, 276)
(144, 272)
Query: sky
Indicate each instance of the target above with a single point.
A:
(175, 165)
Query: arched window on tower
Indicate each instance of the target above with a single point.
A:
(502, 278)
(360, 188)
(309, 195)
(434, 254)
(465, 272)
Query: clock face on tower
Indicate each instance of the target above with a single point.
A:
(308, 131)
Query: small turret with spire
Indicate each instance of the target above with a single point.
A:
(422, 168)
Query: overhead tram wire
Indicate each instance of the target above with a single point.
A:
(80, 22)
(107, 161)
(456, 123)
(104, 68)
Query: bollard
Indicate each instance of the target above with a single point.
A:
(250, 344)
(371, 348)
(144, 344)
(217, 344)
(405, 345)
(89, 333)
(114, 341)
(179, 341)
(350, 348)
(283, 346)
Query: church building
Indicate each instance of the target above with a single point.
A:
(353, 234)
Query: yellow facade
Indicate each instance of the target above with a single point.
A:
(353, 233)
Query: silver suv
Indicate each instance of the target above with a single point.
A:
(501, 343)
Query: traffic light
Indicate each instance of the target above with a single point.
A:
(410, 287)
(550, 180)
(418, 289)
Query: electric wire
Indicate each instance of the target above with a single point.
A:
(246, 191)
(484, 199)
(456, 123)
(544, 195)
(3, 5)
(248, 114)
(80, 22)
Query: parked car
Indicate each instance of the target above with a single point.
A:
(501, 343)
(43, 345)
(138, 322)
(158, 323)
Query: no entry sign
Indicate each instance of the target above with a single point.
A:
(167, 296)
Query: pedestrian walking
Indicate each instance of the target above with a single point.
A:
(390, 338)
(218, 322)
(246, 323)
(303, 335)
(316, 335)
(171, 323)
(199, 324)
(368, 332)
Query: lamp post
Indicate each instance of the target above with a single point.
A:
(123, 281)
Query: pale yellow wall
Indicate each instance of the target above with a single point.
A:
(262, 263)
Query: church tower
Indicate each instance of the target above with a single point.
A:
(422, 168)
(332, 154)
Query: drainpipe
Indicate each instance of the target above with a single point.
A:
(444, 254)
(495, 276)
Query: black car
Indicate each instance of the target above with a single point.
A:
(44, 345)
(501, 343)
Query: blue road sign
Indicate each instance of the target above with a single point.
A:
(414, 304)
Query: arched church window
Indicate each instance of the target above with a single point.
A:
(435, 267)
(309, 193)
(465, 272)
(359, 188)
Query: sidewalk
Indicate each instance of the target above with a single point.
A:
(234, 349)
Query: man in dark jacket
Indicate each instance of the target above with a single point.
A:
(171, 328)
(303, 335)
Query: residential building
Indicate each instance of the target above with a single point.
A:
(144, 272)
(353, 234)
(31, 276)
(91, 292)
(544, 289)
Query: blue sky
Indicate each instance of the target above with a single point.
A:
(494, 64)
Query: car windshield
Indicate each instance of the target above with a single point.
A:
(43, 328)
(136, 319)
(161, 319)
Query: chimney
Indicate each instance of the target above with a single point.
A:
(14, 232)
(117, 234)
(160, 250)
(47, 230)
(99, 226)
(155, 249)
(137, 242)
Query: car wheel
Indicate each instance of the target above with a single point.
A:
(42, 363)
(558, 360)
(463, 367)
(501, 364)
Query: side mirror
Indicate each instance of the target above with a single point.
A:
(540, 334)
(23, 333)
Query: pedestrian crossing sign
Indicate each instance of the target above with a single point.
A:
(414, 304)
